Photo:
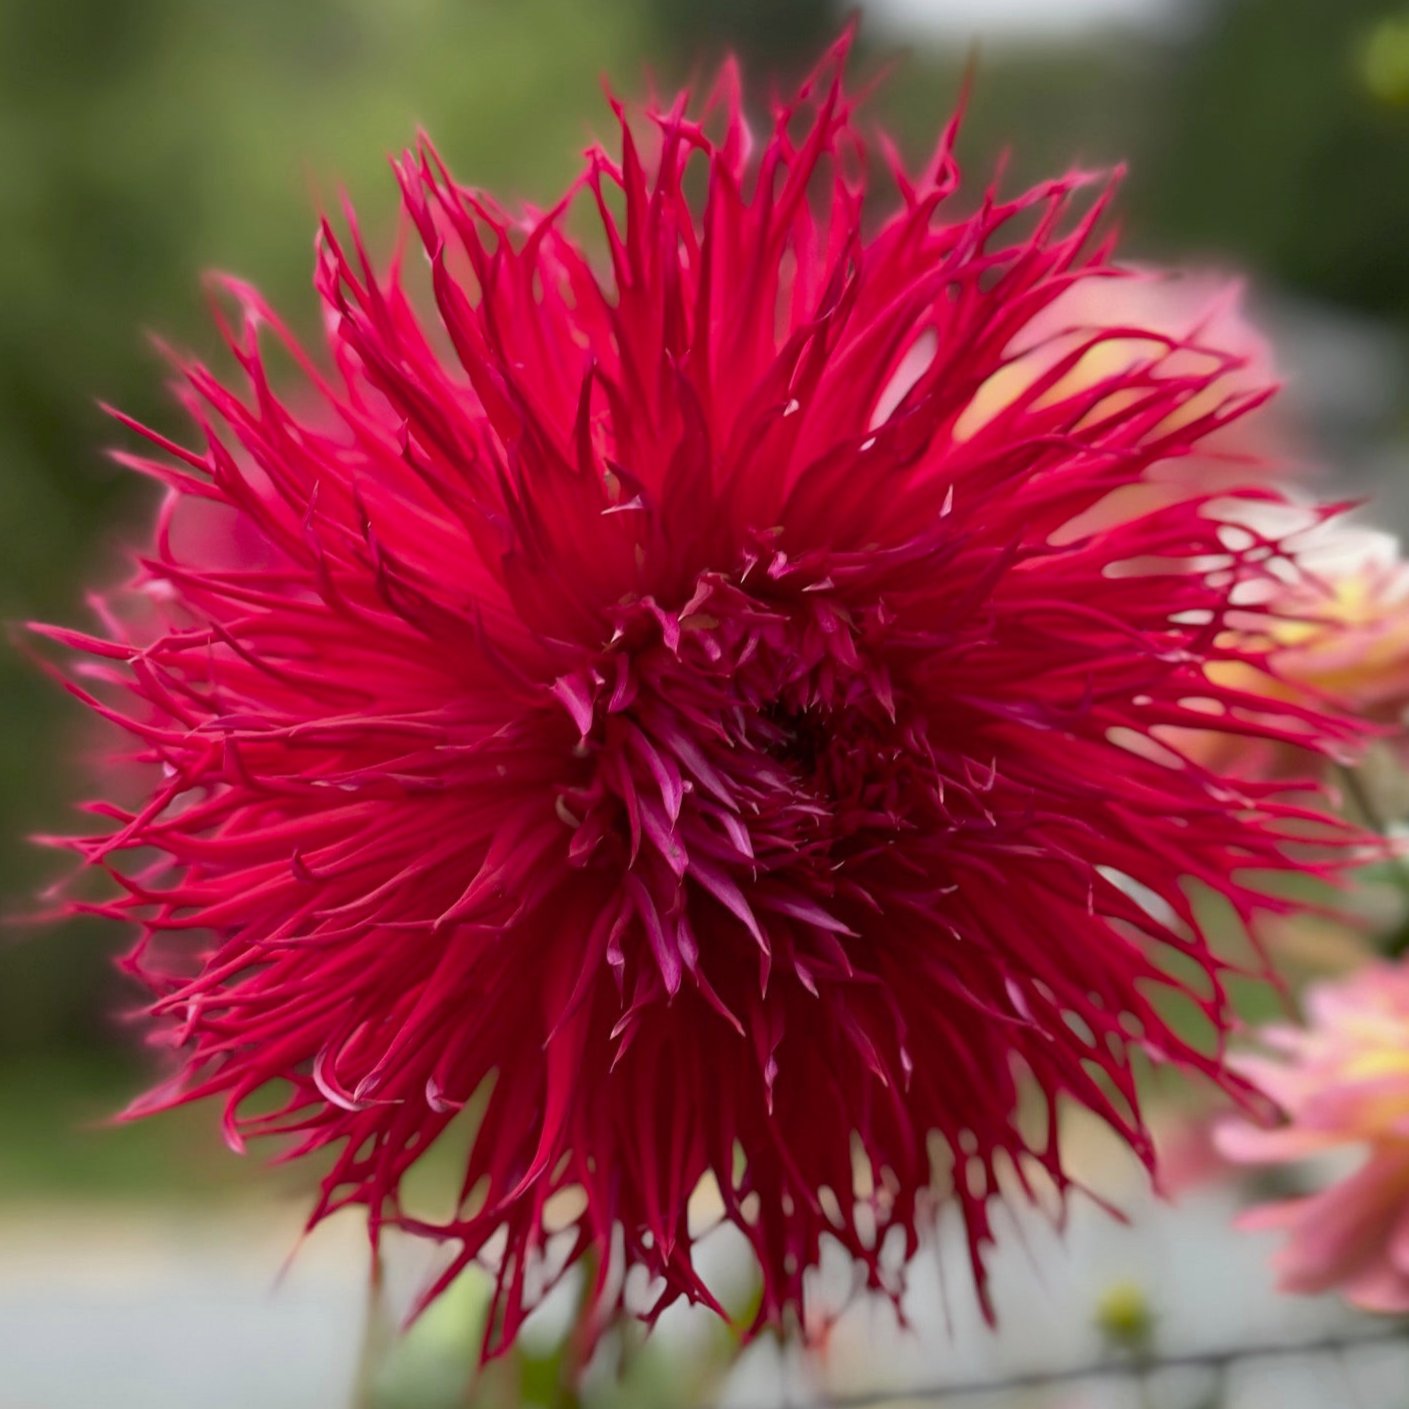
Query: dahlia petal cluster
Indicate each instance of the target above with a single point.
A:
(1342, 1084)
(620, 702)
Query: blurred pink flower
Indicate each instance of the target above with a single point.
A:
(1104, 331)
(1342, 1082)
(1345, 628)
(1189, 1153)
(1128, 320)
(1332, 629)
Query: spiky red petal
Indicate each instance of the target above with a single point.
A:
(634, 707)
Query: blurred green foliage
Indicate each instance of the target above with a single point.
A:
(1281, 150)
(142, 141)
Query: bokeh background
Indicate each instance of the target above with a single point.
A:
(144, 141)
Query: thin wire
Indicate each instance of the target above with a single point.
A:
(1216, 1359)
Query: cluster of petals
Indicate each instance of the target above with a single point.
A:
(1342, 1083)
(653, 723)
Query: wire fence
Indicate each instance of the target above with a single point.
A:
(1140, 1372)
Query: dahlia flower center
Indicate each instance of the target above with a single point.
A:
(802, 739)
(841, 758)
(806, 708)
(743, 762)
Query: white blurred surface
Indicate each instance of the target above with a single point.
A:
(170, 1310)
(1016, 18)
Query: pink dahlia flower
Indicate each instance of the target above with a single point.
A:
(1332, 630)
(1342, 1083)
(1099, 330)
(1340, 625)
(644, 724)
(1191, 325)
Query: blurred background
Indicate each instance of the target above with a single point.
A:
(143, 141)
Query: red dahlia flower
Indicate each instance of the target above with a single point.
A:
(635, 715)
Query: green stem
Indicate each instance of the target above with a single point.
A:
(374, 1339)
(580, 1335)
(1396, 943)
(1142, 1383)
